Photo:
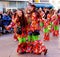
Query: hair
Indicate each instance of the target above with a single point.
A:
(34, 8)
(37, 14)
(15, 14)
(58, 11)
(46, 14)
(22, 19)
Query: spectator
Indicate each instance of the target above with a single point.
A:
(1, 22)
(6, 19)
(9, 13)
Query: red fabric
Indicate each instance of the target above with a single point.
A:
(46, 37)
(59, 17)
(38, 47)
(55, 33)
(46, 23)
(34, 24)
(29, 47)
(21, 48)
(15, 37)
(49, 16)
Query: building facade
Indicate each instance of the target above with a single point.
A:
(40, 1)
(13, 4)
(55, 3)
(18, 3)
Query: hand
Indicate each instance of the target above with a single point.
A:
(6, 28)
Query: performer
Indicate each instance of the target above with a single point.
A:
(41, 19)
(21, 31)
(55, 25)
(46, 30)
(37, 48)
(48, 25)
(1, 23)
(29, 44)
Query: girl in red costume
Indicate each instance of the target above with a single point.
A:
(29, 45)
(41, 19)
(21, 31)
(55, 24)
(47, 28)
(37, 45)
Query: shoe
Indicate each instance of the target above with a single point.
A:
(45, 51)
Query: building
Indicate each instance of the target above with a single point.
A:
(55, 3)
(18, 3)
(13, 4)
(41, 1)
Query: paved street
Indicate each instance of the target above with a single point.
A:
(8, 47)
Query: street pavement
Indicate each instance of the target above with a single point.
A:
(8, 47)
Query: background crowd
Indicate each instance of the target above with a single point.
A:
(6, 17)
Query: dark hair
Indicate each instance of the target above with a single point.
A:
(58, 11)
(37, 14)
(34, 8)
(14, 13)
(22, 19)
(46, 14)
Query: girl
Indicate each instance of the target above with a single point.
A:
(48, 25)
(41, 19)
(55, 24)
(46, 30)
(38, 47)
(21, 31)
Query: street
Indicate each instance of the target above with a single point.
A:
(8, 47)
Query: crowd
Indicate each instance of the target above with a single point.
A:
(27, 25)
(5, 19)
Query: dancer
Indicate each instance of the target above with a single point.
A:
(21, 31)
(37, 46)
(55, 24)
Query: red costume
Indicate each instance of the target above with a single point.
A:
(35, 45)
(46, 30)
(21, 35)
(55, 25)
(41, 24)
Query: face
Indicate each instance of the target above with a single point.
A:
(19, 13)
(34, 14)
(31, 8)
(26, 15)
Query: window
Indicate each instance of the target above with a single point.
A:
(12, 4)
(21, 4)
